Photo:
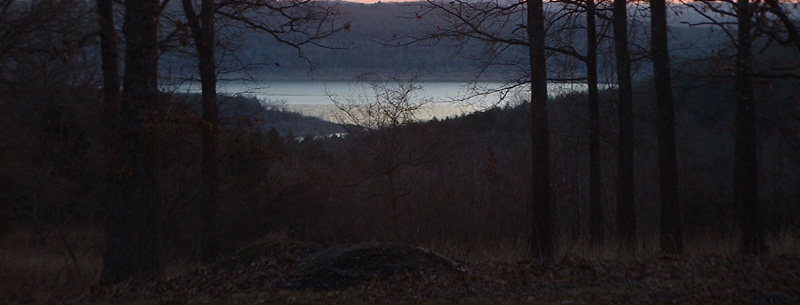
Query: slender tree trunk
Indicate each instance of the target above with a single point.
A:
(133, 238)
(746, 158)
(203, 33)
(542, 247)
(626, 211)
(671, 236)
(595, 208)
(210, 170)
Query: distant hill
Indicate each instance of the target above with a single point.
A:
(373, 27)
(250, 111)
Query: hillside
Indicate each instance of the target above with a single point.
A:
(103, 183)
(248, 110)
(391, 274)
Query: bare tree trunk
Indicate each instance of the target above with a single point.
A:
(542, 247)
(746, 158)
(133, 238)
(595, 207)
(110, 68)
(210, 170)
(203, 33)
(109, 55)
(626, 211)
(671, 235)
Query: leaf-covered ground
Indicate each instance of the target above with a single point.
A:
(259, 277)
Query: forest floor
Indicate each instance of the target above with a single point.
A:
(279, 274)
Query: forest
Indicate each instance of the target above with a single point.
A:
(674, 178)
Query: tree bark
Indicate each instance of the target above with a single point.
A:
(203, 33)
(671, 235)
(542, 247)
(110, 68)
(109, 55)
(746, 158)
(626, 212)
(595, 207)
(133, 238)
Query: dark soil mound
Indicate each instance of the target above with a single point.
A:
(284, 251)
(347, 266)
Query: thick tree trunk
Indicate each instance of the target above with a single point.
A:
(671, 236)
(109, 55)
(203, 33)
(626, 212)
(595, 207)
(110, 67)
(133, 238)
(746, 158)
(542, 247)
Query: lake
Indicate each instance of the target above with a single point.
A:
(441, 99)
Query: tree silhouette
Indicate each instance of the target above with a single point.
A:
(294, 23)
(671, 235)
(378, 121)
(626, 210)
(202, 30)
(745, 191)
(542, 246)
(133, 238)
(502, 27)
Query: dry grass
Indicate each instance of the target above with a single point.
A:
(44, 267)
(473, 250)
(695, 244)
(664, 280)
(784, 243)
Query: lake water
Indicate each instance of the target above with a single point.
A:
(440, 99)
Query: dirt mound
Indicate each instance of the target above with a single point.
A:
(346, 266)
(283, 250)
(384, 274)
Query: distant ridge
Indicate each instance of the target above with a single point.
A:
(253, 112)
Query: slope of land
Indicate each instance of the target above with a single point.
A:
(408, 275)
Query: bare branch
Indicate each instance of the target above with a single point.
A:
(294, 23)
(791, 27)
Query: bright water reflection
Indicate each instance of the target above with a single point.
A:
(442, 99)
